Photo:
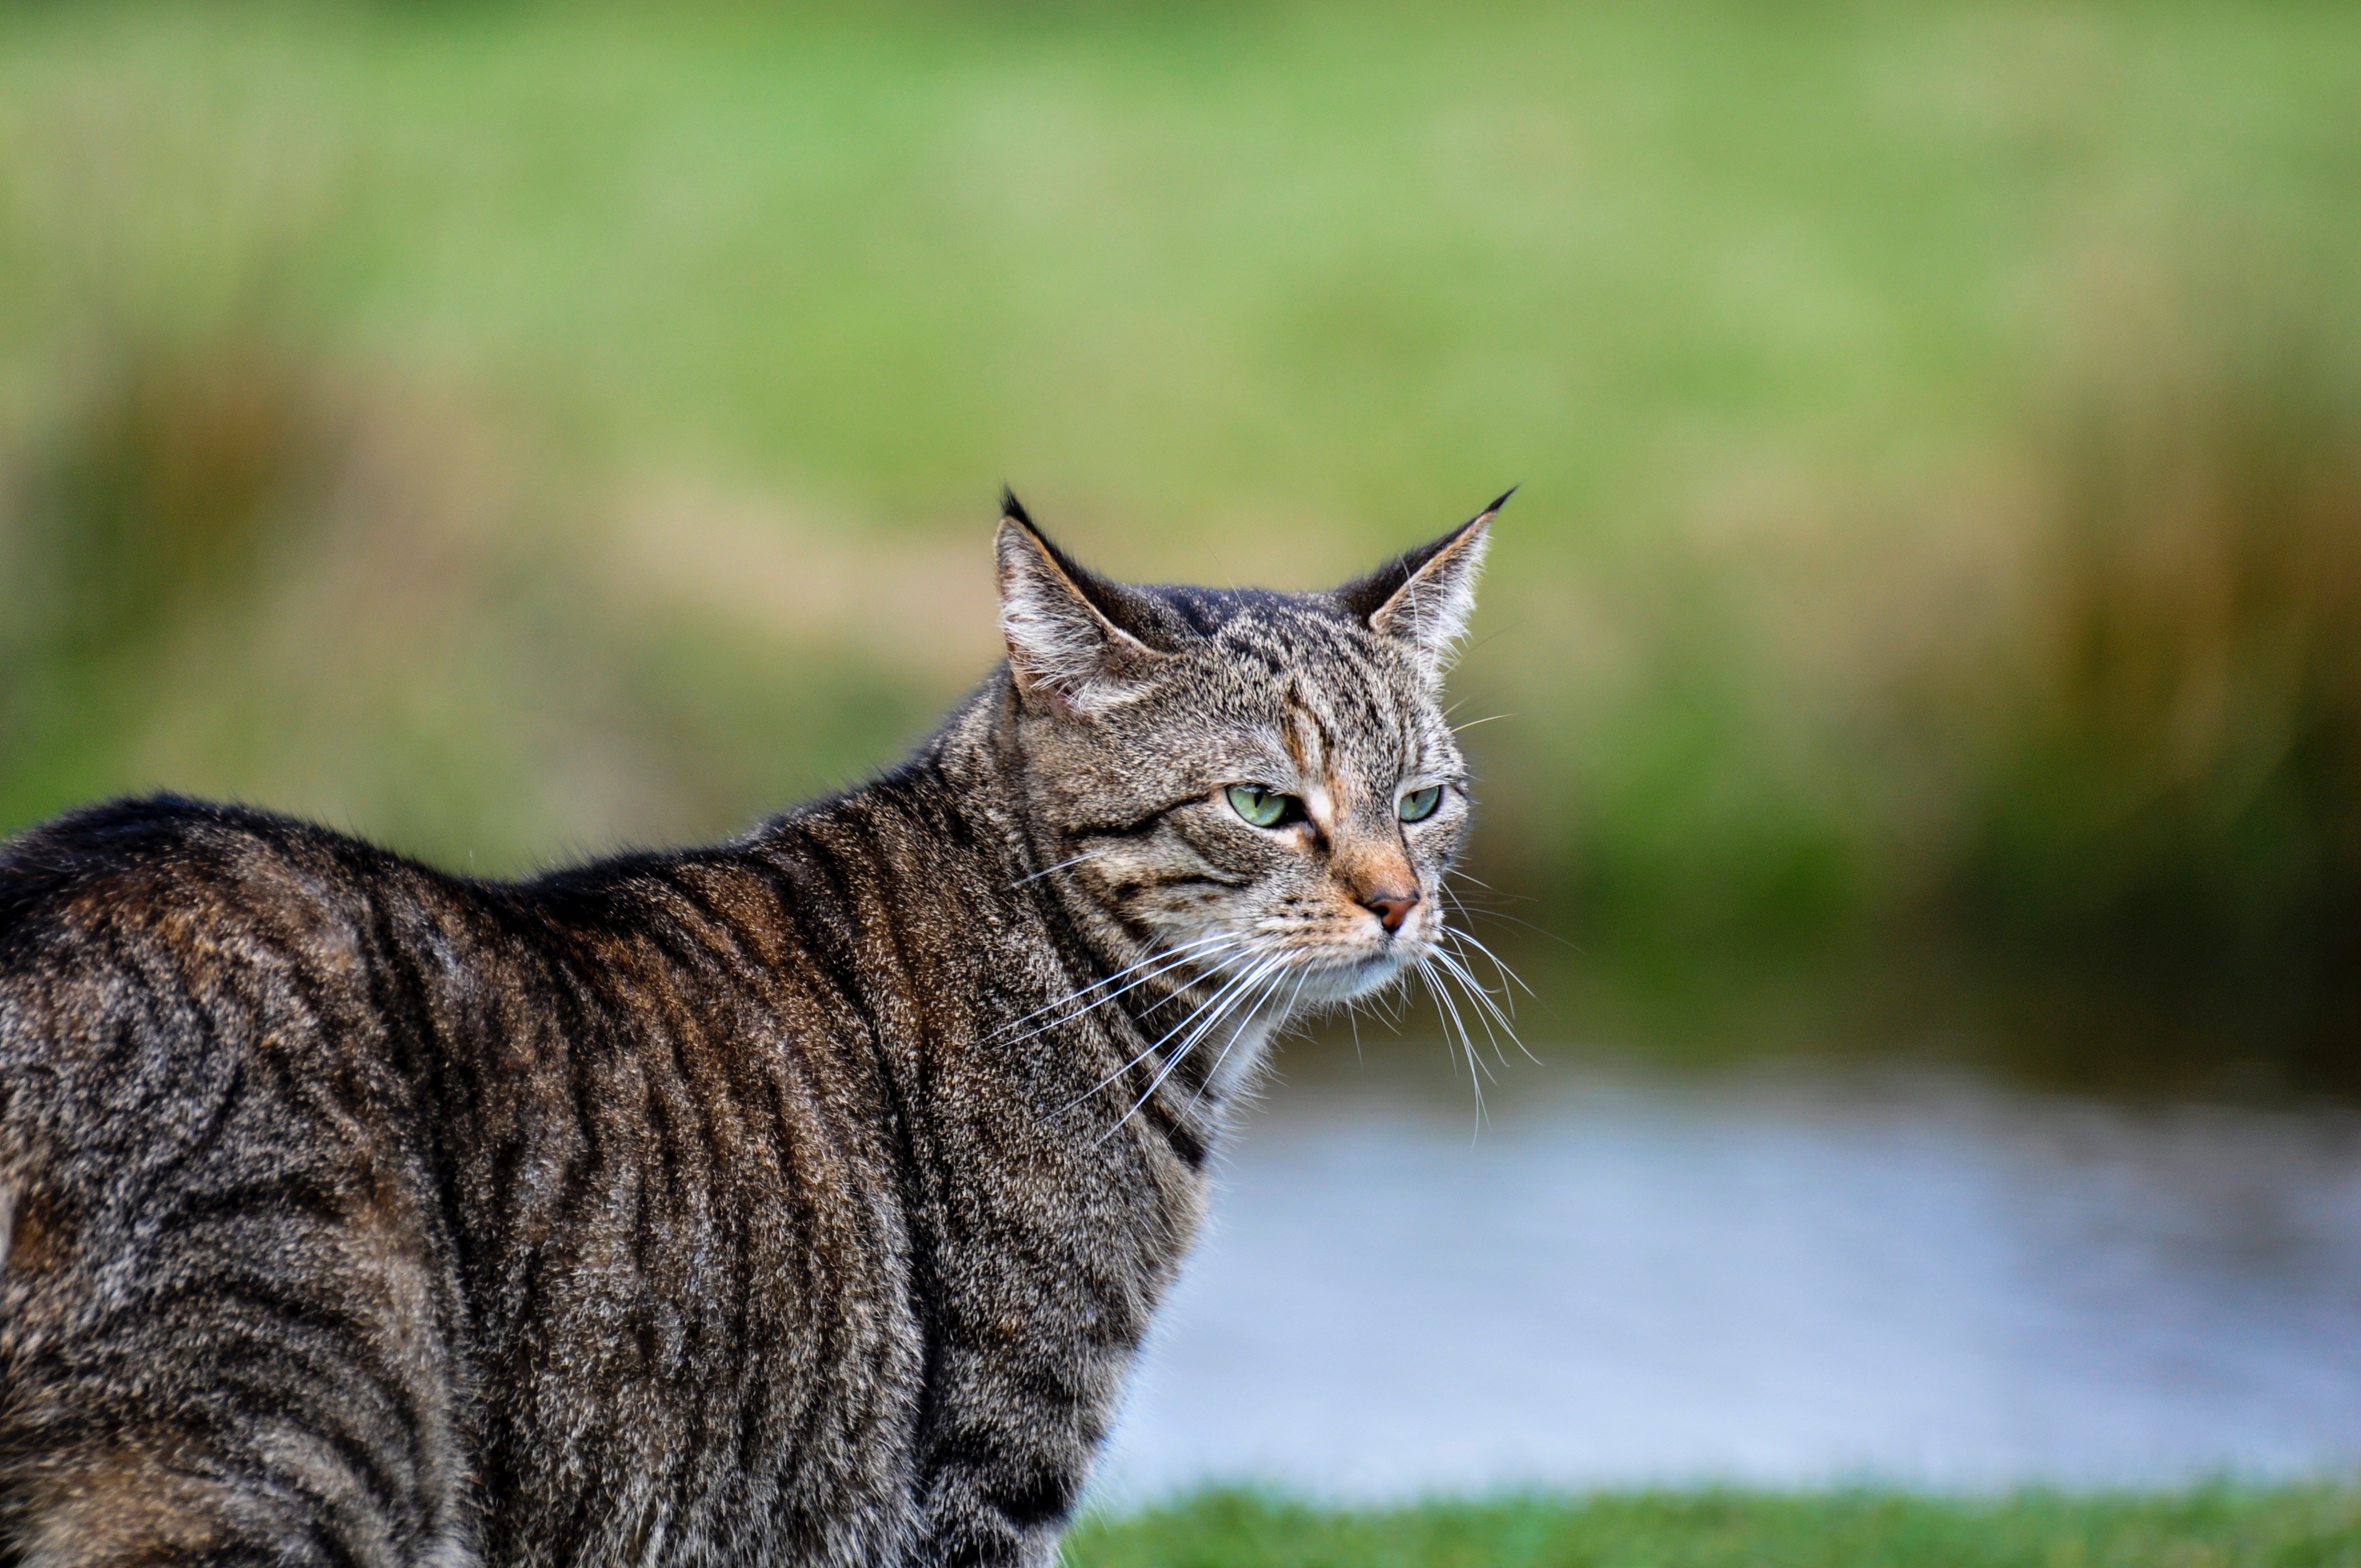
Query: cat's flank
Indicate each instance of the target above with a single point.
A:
(802, 1200)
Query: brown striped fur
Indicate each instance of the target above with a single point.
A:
(802, 1200)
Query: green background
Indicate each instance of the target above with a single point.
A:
(1929, 621)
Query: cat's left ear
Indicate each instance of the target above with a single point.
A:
(1423, 596)
(1065, 649)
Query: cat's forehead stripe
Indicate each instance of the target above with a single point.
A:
(1301, 749)
(1317, 745)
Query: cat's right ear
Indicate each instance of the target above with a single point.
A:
(1062, 649)
(1422, 598)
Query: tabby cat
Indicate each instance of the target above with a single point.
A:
(802, 1200)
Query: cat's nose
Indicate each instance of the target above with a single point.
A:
(1390, 908)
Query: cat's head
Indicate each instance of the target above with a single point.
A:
(1262, 780)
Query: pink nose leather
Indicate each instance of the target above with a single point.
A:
(1389, 909)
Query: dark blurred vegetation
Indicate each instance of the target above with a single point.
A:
(1932, 619)
(2219, 1527)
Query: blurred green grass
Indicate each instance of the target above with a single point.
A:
(2214, 1528)
(512, 429)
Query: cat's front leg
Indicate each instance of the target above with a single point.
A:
(1012, 1434)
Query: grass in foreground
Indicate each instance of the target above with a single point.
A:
(2312, 1527)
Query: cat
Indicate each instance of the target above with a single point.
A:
(797, 1200)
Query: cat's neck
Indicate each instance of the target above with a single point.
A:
(971, 766)
(976, 761)
(965, 784)
(962, 794)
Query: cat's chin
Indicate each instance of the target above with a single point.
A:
(1351, 977)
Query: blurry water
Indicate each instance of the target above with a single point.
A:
(1772, 1281)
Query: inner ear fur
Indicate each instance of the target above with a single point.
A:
(1071, 633)
(1423, 596)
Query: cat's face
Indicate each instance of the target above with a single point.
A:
(1261, 785)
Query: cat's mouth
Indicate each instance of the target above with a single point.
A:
(1351, 972)
(1269, 972)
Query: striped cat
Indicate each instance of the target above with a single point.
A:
(802, 1200)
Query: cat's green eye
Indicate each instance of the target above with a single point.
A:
(1420, 804)
(1263, 808)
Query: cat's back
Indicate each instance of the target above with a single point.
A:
(179, 926)
(380, 1178)
(192, 997)
(209, 1208)
(130, 858)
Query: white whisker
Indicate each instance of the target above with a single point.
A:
(1178, 963)
(1214, 1071)
(1509, 977)
(1169, 959)
(1487, 1012)
(1151, 1049)
(1452, 959)
(1441, 995)
(1511, 981)
(1505, 1003)
(1246, 981)
(1061, 865)
(1235, 989)
(1450, 1016)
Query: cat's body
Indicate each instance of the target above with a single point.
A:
(799, 1200)
(665, 1220)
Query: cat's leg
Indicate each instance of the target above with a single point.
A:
(1004, 1509)
(1017, 1418)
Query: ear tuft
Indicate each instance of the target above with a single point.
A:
(1013, 508)
(1423, 597)
(1061, 649)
